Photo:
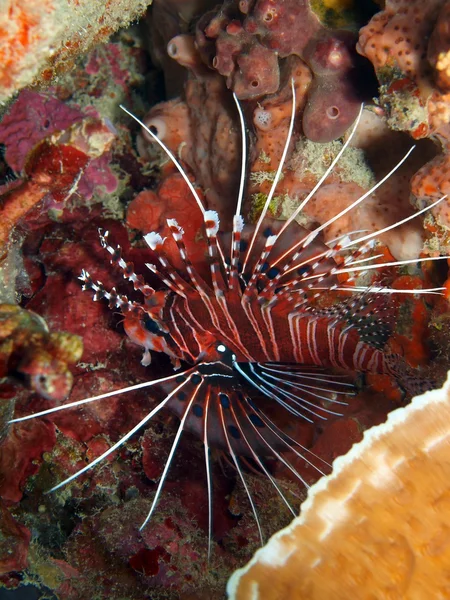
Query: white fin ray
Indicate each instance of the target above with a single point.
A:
(170, 155)
(123, 439)
(276, 179)
(131, 388)
(326, 174)
(394, 225)
(241, 474)
(171, 453)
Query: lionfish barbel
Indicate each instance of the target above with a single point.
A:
(254, 329)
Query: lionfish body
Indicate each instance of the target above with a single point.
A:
(256, 326)
(255, 335)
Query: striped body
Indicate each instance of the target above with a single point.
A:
(257, 334)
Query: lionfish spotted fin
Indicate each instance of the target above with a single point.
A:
(255, 331)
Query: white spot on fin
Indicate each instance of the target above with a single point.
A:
(211, 215)
(154, 240)
(238, 223)
(174, 223)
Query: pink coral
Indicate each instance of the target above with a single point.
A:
(245, 44)
(32, 118)
(55, 162)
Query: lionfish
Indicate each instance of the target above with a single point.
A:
(253, 329)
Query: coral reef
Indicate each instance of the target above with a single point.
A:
(245, 42)
(69, 167)
(406, 43)
(179, 123)
(39, 39)
(385, 503)
(28, 351)
(54, 169)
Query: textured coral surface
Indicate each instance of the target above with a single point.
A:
(366, 513)
(39, 38)
(72, 162)
(406, 43)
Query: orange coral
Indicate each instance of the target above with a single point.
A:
(22, 31)
(407, 43)
(376, 527)
(439, 50)
(38, 37)
(396, 42)
(432, 181)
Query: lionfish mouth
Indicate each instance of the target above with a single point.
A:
(255, 329)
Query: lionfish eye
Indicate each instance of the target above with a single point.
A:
(226, 356)
(151, 326)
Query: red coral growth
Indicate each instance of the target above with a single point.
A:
(147, 561)
(44, 176)
(54, 166)
(14, 541)
(149, 211)
(21, 456)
